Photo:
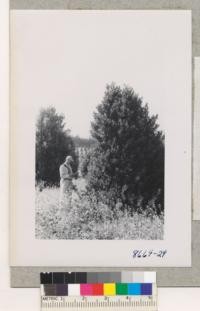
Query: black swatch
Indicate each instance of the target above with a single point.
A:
(80, 277)
(46, 278)
(69, 278)
(58, 278)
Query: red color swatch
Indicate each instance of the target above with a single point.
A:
(97, 289)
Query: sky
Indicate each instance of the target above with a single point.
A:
(65, 59)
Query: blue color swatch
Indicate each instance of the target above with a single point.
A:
(146, 289)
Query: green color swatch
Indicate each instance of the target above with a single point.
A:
(121, 289)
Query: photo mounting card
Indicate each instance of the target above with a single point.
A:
(101, 138)
(196, 150)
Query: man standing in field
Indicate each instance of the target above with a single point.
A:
(66, 185)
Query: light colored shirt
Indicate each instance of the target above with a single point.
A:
(66, 171)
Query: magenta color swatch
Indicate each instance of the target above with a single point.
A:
(86, 289)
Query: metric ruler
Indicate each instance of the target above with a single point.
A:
(95, 303)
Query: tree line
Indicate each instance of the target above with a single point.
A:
(126, 151)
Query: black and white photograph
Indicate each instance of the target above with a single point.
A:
(100, 140)
(107, 185)
(102, 118)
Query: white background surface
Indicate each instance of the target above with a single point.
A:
(170, 299)
(33, 57)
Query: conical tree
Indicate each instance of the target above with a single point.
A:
(129, 156)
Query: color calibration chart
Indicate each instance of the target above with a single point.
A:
(125, 290)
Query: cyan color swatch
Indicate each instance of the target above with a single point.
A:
(134, 289)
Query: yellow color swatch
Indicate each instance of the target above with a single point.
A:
(109, 289)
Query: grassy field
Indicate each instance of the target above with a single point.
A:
(88, 220)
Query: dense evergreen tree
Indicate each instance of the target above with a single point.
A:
(129, 156)
(53, 144)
